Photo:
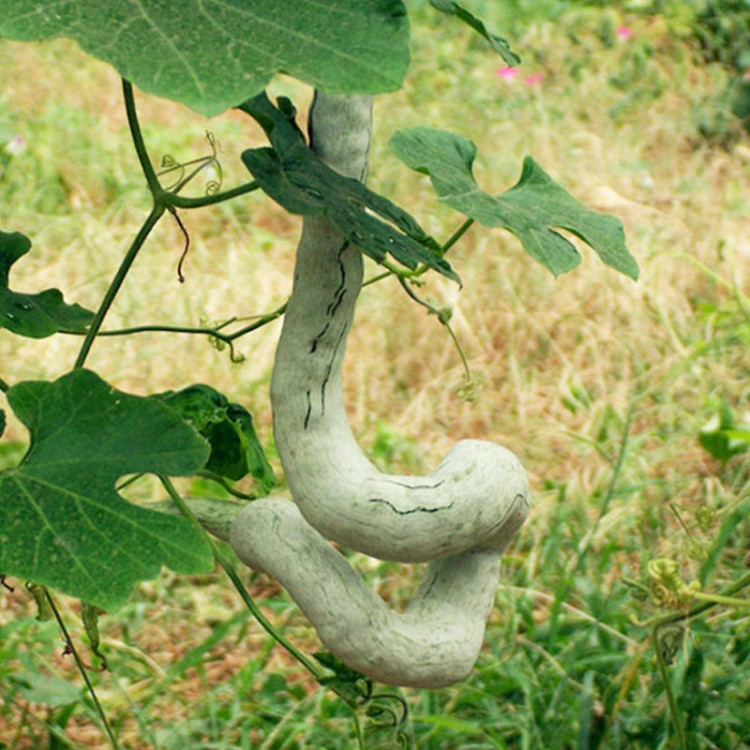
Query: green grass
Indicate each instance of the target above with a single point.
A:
(600, 385)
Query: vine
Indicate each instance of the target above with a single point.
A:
(459, 519)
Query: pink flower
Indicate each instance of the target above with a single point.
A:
(534, 79)
(507, 74)
(624, 32)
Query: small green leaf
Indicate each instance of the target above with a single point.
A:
(62, 524)
(34, 315)
(229, 429)
(498, 43)
(722, 436)
(531, 210)
(213, 54)
(298, 180)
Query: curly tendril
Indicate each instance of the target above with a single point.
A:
(667, 587)
(181, 176)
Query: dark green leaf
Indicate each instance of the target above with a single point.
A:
(62, 524)
(531, 210)
(498, 43)
(2, 422)
(235, 448)
(298, 180)
(34, 315)
(214, 54)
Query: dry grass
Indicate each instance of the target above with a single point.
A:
(561, 365)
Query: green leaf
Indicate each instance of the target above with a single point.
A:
(62, 524)
(298, 180)
(229, 429)
(531, 210)
(498, 43)
(214, 54)
(2, 422)
(34, 315)
(722, 436)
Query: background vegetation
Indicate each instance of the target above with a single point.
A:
(626, 402)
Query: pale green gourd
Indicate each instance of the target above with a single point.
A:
(459, 518)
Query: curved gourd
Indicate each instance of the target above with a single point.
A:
(459, 518)
(466, 501)
(433, 643)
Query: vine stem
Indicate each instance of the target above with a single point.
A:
(212, 332)
(163, 200)
(358, 730)
(727, 601)
(673, 709)
(82, 669)
(456, 236)
(138, 143)
(162, 196)
(262, 321)
(114, 287)
(249, 602)
(444, 320)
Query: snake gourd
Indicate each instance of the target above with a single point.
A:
(459, 518)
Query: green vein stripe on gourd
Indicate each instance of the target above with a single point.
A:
(464, 503)
(459, 518)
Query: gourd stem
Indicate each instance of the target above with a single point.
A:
(239, 586)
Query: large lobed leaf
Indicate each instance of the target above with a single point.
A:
(214, 54)
(34, 315)
(62, 523)
(296, 178)
(531, 210)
